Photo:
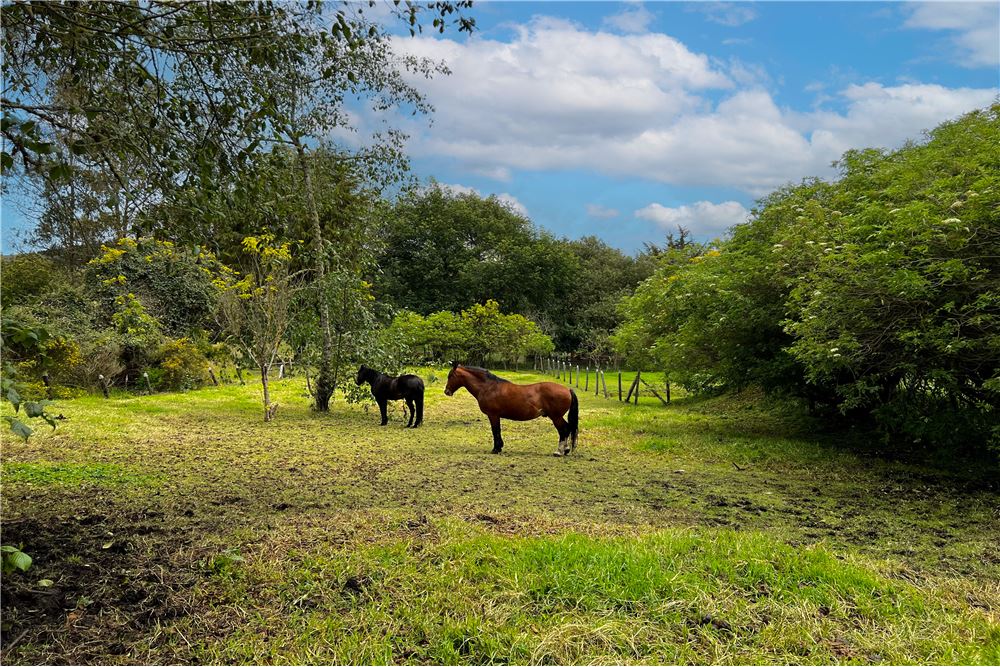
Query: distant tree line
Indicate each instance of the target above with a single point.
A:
(444, 251)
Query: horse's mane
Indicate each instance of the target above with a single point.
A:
(485, 374)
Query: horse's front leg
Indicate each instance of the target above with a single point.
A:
(382, 407)
(497, 440)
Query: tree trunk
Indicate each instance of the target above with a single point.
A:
(267, 393)
(324, 380)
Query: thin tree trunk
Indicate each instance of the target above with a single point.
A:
(324, 381)
(267, 393)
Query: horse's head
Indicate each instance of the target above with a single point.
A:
(455, 381)
(363, 373)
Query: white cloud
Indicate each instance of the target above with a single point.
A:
(976, 28)
(602, 212)
(496, 173)
(514, 204)
(560, 97)
(703, 218)
(506, 198)
(887, 116)
(729, 14)
(634, 18)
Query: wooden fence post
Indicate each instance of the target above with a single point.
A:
(604, 383)
(638, 374)
(652, 390)
(104, 385)
(619, 386)
(211, 374)
(578, 376)
(631, 389)
(149, 387)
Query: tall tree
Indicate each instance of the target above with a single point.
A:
(191, 89)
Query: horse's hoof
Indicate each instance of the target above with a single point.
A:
(496, 451)
(556, 453)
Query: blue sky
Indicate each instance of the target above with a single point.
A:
(626, 119)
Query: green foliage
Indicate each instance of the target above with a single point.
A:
(30, 345)
(900, 312)
(172, 284)
(117, 126)
(25, 277)
(446, 251)
(182, 365)
(12, 559)
(587, 313)
(480, 333)
(877, 295)
(255, 306)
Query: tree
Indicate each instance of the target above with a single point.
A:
(899, 314)
(255, 307)
(588, 311)
(187, 92)
(447, 251)
(481, 333)
(874, 296)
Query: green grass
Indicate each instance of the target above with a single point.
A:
(722, 530)
(45, 474)
(678, 596)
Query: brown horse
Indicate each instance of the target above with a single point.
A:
(499, 398)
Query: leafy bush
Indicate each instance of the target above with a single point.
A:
(877, 296)
(182, 366)
(26, 277)
(479, 333)
(173, 285)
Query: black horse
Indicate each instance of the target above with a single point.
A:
(385, 388)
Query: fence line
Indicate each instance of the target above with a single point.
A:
(569, 373)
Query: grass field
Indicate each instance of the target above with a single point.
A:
(180, 528)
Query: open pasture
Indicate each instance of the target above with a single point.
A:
(179, 528)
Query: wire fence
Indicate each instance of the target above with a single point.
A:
(625, 386)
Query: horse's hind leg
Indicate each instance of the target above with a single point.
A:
(564, 434)
(409, 404)
(419, 400)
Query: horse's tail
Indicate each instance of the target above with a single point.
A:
(573, 417)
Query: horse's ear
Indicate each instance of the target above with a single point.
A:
(454, 364)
